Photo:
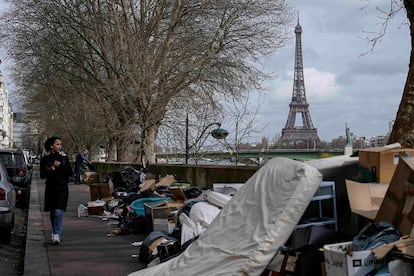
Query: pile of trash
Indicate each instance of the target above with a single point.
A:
(188, 212)
(126, 202)
(246, 230)
(191, 221)
(234, 233)
(241, 233)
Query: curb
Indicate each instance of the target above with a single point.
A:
(36, 260)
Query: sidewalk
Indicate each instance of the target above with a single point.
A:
(86, 248)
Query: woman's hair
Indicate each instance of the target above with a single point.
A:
(50, 141)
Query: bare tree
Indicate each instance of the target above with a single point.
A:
(135, 56)
(78, 121)
(241, 119)
(403, 128)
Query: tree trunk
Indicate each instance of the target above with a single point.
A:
(403, 129)
(112, 151)
(123, 143)
(147, 152)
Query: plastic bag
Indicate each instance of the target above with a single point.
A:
(82, 211)
(374, 235)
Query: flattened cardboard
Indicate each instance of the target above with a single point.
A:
(177, 193)
(147, 185)
(365, 199)
(397, 207)
(166, 180)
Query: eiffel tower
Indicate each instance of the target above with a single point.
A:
(291, 133)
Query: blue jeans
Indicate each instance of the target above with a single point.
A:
(78, 175)
(56, 218)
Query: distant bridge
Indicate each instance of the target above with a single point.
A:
(299, 154)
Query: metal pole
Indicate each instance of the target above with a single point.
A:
(187, 147)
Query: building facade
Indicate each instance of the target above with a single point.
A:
(6, 118)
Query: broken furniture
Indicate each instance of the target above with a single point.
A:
(326, 192)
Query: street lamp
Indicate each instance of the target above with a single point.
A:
(218, 134)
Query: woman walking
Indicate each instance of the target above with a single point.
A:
(56, 169)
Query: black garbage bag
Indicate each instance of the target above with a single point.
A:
(131, 175)
(374, 235)
(133, 224)
(86, 166)
(128, 178)
(193, 192)
(116, 178)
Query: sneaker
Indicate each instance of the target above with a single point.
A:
(55, 239)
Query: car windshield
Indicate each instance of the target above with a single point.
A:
(11, 160)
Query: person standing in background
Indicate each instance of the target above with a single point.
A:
(80, 163)
(143, 175)
(56, 169)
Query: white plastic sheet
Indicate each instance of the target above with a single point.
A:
(249, 230)
(201, 215)
(218, 199)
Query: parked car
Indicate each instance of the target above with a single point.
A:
(28, 158)
(19, 172)
(7, 205)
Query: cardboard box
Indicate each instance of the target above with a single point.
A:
(163, 225)
(100, 190)
(365, 199)
(96, 207)
(379, 163)
(90, 177)
(341, 260)
(161, 214)
(397, 207)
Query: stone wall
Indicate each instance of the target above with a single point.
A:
(197, 175)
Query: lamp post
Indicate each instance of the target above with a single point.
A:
(218, 133)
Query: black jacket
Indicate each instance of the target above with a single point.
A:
(57, 190)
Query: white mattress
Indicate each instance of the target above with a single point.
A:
(251, 227)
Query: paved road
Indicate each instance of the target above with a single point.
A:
(12, 253)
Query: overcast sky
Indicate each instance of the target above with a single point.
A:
(341, 85)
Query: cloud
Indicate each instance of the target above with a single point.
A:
(317, 84)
